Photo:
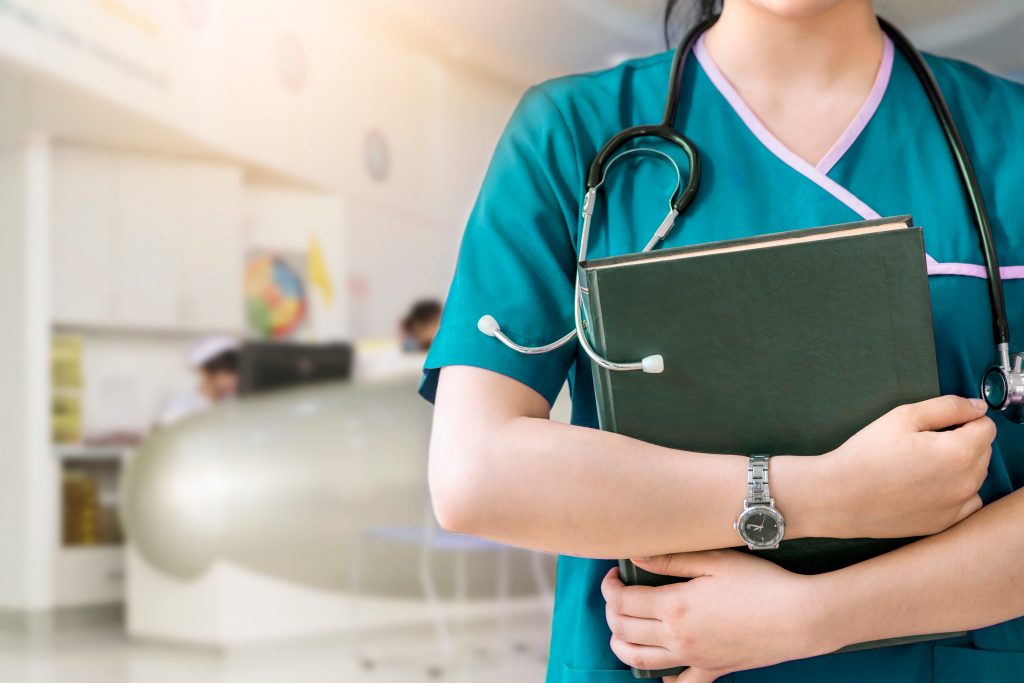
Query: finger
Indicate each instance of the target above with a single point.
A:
(945, 411)
(981, 433)
(982, 429)
(684, 565)
(692, 675)
(644, 657)
(634, 629)
(970, 444)
(634, 601)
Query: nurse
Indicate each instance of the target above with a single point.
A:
(804, 115)
(214, 359)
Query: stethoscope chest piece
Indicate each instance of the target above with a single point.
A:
(1002, 387)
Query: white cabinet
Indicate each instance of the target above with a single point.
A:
(212, 248)
(84, 236)
(149, 242)
(146, 243)
(89, 576)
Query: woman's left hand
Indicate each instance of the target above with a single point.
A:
(738, 612)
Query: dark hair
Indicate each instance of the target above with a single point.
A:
(425, 311)
(223, 362)
(700, 10)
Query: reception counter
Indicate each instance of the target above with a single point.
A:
(247, 523)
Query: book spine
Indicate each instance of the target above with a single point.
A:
(602, 378)
(660, 673)
(627, 573)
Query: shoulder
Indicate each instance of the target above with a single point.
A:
(591, 104)
(980, 96)
(990, 113)
(564, 121)
(623, 79)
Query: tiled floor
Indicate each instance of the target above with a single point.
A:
(103, 654)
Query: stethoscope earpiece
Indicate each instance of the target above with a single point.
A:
(653, 365)
(488, 325)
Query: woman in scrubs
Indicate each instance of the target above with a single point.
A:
(805, 116)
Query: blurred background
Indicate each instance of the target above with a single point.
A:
(226, 232)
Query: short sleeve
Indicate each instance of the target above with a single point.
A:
(517, 259)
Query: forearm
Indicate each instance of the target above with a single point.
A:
(500, 469)
(967, 577)
(585, 492)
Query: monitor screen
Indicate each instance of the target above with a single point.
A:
(266, 366)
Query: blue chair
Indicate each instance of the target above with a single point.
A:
(431, 540)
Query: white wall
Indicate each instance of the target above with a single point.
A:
(285, 220)
(400, 260)
(216, 72)
(129, 375)
(28, 524)
(216, 80)
(129, 378)
(444, 124)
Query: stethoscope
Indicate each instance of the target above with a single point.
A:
(1002, 385)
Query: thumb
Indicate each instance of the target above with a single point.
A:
(683, 565)
(946, 411)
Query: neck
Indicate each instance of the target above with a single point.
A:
(751, 44)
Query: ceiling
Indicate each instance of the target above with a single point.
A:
(525, 41)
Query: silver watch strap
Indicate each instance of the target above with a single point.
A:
(757, 481)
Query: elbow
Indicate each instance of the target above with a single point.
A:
(456, 491)
(452, 512)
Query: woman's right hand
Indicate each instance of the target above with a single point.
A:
(900, 476)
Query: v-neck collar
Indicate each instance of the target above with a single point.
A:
(816, 173)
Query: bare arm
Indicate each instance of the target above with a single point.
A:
(500, 469)
(967, 577)
(743, 612)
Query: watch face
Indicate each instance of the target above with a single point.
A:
(761, 526)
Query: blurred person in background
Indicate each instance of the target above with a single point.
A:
(215, 360)
(420, 325)
(400, 356)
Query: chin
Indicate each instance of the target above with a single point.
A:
(797, 9)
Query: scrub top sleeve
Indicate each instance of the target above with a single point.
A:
(517, 261)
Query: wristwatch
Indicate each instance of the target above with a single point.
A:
(761, 525)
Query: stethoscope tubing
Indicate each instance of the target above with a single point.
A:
(684, 195)
(971, 186)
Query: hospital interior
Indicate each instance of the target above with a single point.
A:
(227, 229)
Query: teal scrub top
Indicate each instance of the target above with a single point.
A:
(519, 250)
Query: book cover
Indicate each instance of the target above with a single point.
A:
(785, 344)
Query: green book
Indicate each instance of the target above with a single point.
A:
(784, 344)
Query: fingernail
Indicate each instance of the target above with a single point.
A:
(979, 404)
(641, 559)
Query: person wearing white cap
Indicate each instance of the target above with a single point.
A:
(215, 359)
